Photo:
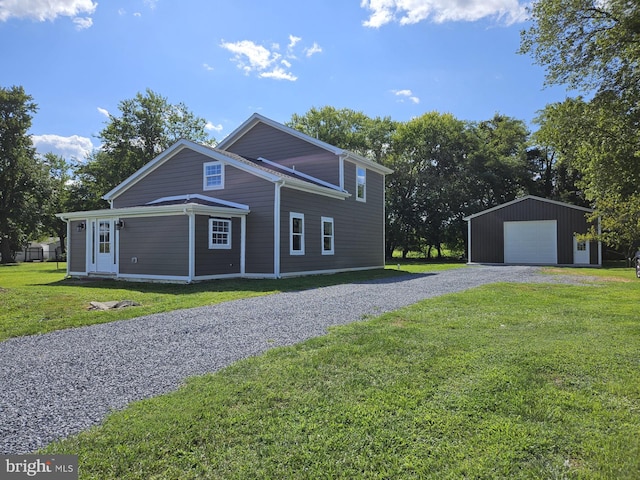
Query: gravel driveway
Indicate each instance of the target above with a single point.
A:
(60, 383)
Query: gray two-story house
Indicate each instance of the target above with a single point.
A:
(268, 201)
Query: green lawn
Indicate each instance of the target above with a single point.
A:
(36, 298)
(502, 381)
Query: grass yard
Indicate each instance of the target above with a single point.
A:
(36, 298)
(502, 381)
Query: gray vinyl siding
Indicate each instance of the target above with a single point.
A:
(216, 261)
(358, 228)
(487, 231)
(324, 166)
(272, 144)
(183, 174)
(180, 175)
(160, 244)
(77, 250)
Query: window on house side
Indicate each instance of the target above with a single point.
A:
(296, 229)
(327, 236)
(361, 184)
(213, 176)
(582, 246)
(219, 234)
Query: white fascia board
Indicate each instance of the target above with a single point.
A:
(175, 149)
(527, 197)
(370, 164)
(227, 203)
(316, 189)
(300, 174)
(151, 211)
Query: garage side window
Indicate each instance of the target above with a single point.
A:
(219, 234)
(296, 229)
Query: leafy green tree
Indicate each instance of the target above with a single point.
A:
(147, 125)
(427, 192)
(594, 45)
(499, 168)
(23, 179)
(348, 129)
(587, 44)
(61, 184)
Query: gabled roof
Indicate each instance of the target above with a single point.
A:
(262, 171)
(528, 197)
(256, 118)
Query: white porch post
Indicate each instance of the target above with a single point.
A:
(192, 246)
(243, 243)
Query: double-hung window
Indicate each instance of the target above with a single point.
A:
(219, 234)
(296, 235)
(213, 176)
(361, 184)
(327, 236)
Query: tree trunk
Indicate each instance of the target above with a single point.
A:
(5, 251)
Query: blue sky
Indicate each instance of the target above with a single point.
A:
(226, 59)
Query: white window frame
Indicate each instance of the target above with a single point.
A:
(205, 185)
(226, 235)
(361, 180)
(323, 236)
(296, 216)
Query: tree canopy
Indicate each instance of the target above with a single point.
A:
(594, 46)
(23, 179)
(147, 125)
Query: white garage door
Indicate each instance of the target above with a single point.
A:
(531, 242)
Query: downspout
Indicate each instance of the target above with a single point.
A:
(276, 229)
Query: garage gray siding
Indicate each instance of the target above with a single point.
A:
(160, 245)
(487, 230)
(216, 261)
(358, 228)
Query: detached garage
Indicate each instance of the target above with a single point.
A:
(531, 231)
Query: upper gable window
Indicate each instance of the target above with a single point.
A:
(213, 176)
(361, 184)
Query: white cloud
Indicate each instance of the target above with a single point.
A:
(406, 94)
(104, 111)
(42, 10)
(83, 23)
(278, 73)
(151, 3)
(293, 40)
(213, 128)
(268, 62)
(253, 58)
(207, 67)
(408, 12)
(315, 48)
(75, 146)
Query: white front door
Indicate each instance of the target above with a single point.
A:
(104, 246)
(580, 252)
